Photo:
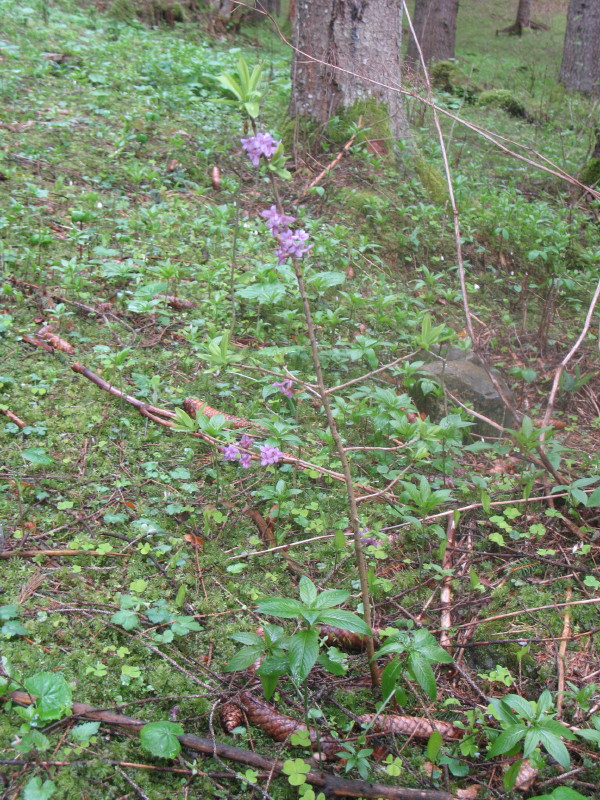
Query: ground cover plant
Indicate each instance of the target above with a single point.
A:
(250, 547)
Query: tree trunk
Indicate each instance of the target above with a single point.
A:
(524, 14)
(360, 36)
(580, 68)
(434, 22)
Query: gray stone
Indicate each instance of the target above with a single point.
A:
(464, 377)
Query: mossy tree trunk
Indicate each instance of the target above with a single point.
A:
(580, 68)
(434, 22)
(363, 38)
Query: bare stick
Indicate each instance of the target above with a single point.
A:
(446, 590)
(334, 163)
(12, 417)
(568, 357)
(530, 611)
(562, 656)
(52, 553)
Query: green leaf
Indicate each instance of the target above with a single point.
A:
(344, 619)
(85, 731)
(37, 455)
(53, 694)
(531, 741)
(126, 619)
(507, 740)
(434, 745)
(561, 793)
(269, 684)
(330, 598)
(308, 591)
(389, 677)
(284, 607)
(511, 774)
(14, 628)
(520, 705)
(303, 652)
(425, 643)
(336, 668)
(9, 612)
(420, 670)
(160, 738)
(245, 637)
(245, 657)
(555, 747)
(36, 790)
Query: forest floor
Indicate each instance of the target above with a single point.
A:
(133, 258)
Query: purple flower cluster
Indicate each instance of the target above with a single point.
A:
(292, 243)
(275, 221)
(261, 144)
(286, 387)
(365, 538)
(270, 455)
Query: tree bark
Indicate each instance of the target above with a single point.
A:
(580, 68)
(434, 22)
(362, 37)
(524, 14)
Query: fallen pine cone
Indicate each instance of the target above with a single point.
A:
(179, 303)
(56, 341)
(193, 407)
(279, 726)
(416, 727)
(347, 641)
(230, 716)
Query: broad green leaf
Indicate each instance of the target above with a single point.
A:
(308, 591)
(284, 607)
(37, 455)
(434, 745)
(520, 705)
(245, 637)
(502, 712)
(36, 790)
(389, 677)
(85, 731)
(331, 598)
(589, 734)
(335, 668)
(561, 793)
(555, 747)
(531, 741)
(13, 628)
(52, 692)
(126, 619)
(557, 728)
(344, 619)
(420, 670)
(160, 738)
(269, 684)
(511, 774)
(245, 657)
(303, 652)
(507, 740)
(425, 643)
(9, 612)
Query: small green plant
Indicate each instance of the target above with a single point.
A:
(242, 88)
(532, 723)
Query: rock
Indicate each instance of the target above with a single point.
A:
(464, 377)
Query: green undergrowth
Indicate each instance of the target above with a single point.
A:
(123, 184)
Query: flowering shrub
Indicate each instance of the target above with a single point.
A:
(261, 144)
(286, 387)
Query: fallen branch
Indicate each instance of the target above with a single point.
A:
(33, 553)
(446, 589)
(12, 417)
(332, 785)
(334, 163)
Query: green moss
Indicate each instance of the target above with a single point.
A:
(590, 174)
(502, 98)
(122, 10)
(449, 77)
(374, 121)
(432, 179)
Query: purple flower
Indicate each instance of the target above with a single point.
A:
(291, 243)
(365, 538)
(246, 441)
(270, 455)
(261, 144)
(275, 221)
(245, 460)
(231, 453)
(285, 387)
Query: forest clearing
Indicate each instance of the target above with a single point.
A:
(299, 399)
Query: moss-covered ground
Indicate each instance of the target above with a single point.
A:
(123, 184)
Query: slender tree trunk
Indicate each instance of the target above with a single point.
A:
(434, 22)
(524, 14)
(362, 37)
(580, 68)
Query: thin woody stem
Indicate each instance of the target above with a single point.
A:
(358, 548)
